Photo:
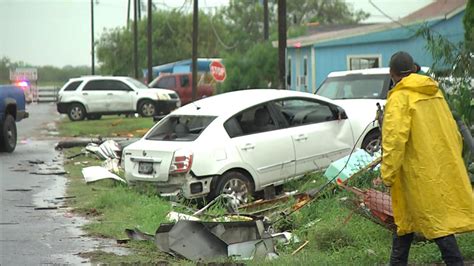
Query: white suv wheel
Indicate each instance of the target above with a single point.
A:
(147, 109)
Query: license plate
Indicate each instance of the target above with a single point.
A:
(145, 168)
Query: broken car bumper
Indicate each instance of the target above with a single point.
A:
(190, 187)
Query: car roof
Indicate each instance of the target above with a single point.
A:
(229, 103)
(99, 77)
(368, 71)
(381, 70)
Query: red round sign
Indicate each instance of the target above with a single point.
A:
(217, 71)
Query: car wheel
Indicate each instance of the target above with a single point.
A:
(371, 142)
(236, 184)
(146, 108)
(94, 117)
(76, 112)
(8, 134)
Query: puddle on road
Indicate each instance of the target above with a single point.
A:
(68, 223)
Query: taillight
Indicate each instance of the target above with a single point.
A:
(182, 161)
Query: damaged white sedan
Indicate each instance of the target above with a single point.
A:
(241, 142)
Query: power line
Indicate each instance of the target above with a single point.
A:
(386, 15)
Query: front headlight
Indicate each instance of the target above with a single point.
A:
(163, 97)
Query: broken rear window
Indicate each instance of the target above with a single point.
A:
(180, 128)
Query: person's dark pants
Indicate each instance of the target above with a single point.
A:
(446, 244)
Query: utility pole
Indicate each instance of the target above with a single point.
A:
(265, 20)
(195, 46)
(282, 43)
(139, 9)
(149, 72)
(92, 39)
(135, 38)
(128, 15)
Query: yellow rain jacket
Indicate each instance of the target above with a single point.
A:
(422, 161)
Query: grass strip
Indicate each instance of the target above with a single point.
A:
(107, 126)
(335, 233)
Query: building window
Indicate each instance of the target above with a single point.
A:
(363, 61)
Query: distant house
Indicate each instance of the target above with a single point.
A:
(345, 47)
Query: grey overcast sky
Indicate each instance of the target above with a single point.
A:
(57, 32)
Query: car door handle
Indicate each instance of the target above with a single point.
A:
(85, 93)
(248, 146)
(110, 93)
(301, 137)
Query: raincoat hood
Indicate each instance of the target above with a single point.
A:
(418, 83)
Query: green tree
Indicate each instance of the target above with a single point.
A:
(245, 18)
(172, 41)
(301, 12)
(253, 69)
(4, 70)
(468, 21)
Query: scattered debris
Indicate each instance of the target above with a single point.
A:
(36, 162)
(375, 204)
(95, 173)
(136, 234)
(351, 165)
(176, 216)
(76, 142)
(75, 155)
(48, 172)
(203, 241)
(232, 203)
(285, 237)
(300, 247)
(66, 197)
(20, 170)
(18, 189)
(111, 164)
(46, 208)
(108, 149)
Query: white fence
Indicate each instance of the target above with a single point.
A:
(45, 94)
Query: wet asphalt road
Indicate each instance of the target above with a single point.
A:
(29, 236)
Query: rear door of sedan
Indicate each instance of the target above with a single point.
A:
(320, 133)
(262, 144)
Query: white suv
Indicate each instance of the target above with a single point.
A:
(92, 96)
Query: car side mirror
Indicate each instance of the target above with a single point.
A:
(341, 113)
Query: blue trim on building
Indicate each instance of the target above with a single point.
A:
(332, 55)
(396, 34)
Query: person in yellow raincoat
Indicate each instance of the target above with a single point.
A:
(423, 166)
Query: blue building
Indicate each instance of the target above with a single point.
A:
(312, 57)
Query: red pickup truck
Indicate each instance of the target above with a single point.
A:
(181, 83)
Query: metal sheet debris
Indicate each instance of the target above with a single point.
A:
(195, 242)
(95, 173)
(203, 241)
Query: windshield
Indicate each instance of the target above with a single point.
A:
(137, 83)
(180, 128)
(355, 87)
